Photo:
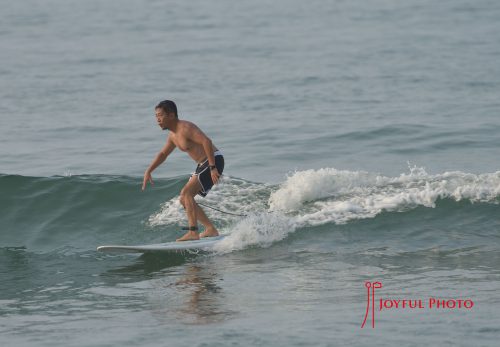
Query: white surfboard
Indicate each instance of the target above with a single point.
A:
(205, 244)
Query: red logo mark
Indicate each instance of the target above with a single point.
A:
(370, 287)
(432, 303)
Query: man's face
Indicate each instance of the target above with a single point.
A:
(163, 118)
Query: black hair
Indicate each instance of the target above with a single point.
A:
(168, 106)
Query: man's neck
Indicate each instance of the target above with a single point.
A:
(173, 128)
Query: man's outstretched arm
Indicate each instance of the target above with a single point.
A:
(160, 158)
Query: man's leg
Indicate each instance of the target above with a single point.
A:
(194, 212)
(187, 200)
(210, 229)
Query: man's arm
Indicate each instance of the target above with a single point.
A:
(160, 158)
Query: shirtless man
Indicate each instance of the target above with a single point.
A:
(189, 138)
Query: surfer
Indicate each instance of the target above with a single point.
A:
(190, 139)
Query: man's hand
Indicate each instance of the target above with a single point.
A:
(215, 175)
(147, 178)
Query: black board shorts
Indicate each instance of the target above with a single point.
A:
(204, 176)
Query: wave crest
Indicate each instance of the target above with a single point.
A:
(329, 195)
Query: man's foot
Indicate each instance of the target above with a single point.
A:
(209, 232)
(189, 236)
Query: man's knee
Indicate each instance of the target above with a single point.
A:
(185, 196)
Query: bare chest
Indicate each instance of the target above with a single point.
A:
(183, 143)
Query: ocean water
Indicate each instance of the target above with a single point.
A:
(361, 141)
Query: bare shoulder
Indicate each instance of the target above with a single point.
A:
(188, 127)
(170, 137)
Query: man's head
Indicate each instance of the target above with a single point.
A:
(166, 114)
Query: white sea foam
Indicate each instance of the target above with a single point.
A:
(171, 212)
(317, 197)
(357, 195)
(311, 185)
(260, 229)
(232, 195)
